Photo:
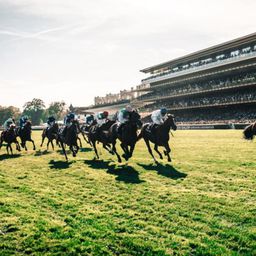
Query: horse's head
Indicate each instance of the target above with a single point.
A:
(170, 121)
(28, 124)
(250, 131)
(135, 118)
(12, 127)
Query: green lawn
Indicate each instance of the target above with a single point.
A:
(203, 203)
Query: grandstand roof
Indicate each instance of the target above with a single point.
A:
(205, 52)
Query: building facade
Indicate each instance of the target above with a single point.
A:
(214, 84)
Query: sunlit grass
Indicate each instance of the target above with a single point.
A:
(203, 203)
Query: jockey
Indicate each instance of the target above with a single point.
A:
(89, 119)
(50, 121)
(123, 117)
(158, 116)
(69, 118)
(102, 118)
(8, 123)
(23, 121)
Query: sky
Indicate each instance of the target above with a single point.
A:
(74, 50)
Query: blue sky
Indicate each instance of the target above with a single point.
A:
(75, 50)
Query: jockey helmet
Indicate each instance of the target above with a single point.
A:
(71, 115)
(105, 114)
(163, 111)
(128, 108)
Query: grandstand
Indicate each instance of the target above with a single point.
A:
(216, 84)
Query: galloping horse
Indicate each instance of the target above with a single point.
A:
(127, 137)
(100, 134)
(250, 131)
(70, 138)
(159, 136)
(25, 135)
(9, 137)
(51, 134)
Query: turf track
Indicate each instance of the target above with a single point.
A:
(203, 203)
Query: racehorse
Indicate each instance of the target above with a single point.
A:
(25, 135)
(69, 137)
(51, 134)
(159, 136)
(127, 135)
(100, 134)
(250, 131)
(9, 137)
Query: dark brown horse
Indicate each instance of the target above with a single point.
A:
(9, 137)
(127, 135)
(51, 134)
(250, 131)
(25, 135)
(158, 136)
(100, 134)
(69, 137)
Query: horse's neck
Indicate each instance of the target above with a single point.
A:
(165, 126)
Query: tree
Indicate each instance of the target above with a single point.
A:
(6, 112)
(35, 109)
(56, 109)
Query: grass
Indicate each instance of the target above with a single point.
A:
(203, 203)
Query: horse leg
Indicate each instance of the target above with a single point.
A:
(52, 145)
(95, 148)
(10, 145)
(131, 150)
(63, 149)
(156, 149)
(114, 150)
(47, 145)
(126, 151)
(43, 137)
(167, 152)
(109, 150)
(7, 148)
(34, 146)
(80, 141)
(25, 146)
(17, 145)
(149, 149)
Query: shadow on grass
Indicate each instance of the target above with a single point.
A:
(165, 170)
(124, 173)
(40, 153)
(6, 156)
(59, 164)
(85, 149)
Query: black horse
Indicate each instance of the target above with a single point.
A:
(250, 131)
(51, 134)
(127, 135)
(159, 136)
(9, 137)
(25, 135)
(100, 134)
(69, 137)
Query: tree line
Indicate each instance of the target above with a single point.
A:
(36, 111)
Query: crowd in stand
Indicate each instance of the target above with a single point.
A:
(224, 98)
(227, 116)
(218, 58)
(203, 86)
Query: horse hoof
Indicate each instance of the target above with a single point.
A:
(169, 160)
